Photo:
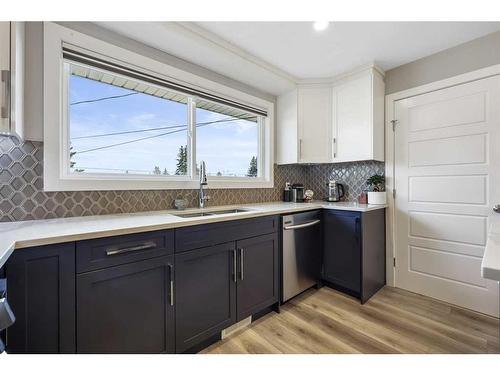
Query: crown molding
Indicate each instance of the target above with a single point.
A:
(200, 32)
(341, 77)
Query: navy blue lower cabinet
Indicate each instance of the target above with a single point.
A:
(258, 274)
(127, 308)
(138, 294)
(205, 293)
(342, 249)
(354, 251)
(218, 285)
(41, 293)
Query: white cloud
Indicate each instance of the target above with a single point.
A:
(142, 119)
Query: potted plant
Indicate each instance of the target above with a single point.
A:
(180, 202)
(377, 186)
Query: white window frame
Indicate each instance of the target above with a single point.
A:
(57, 176)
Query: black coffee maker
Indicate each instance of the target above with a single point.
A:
(297, 193)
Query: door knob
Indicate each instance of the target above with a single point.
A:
(496, 208)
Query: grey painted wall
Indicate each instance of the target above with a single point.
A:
(476, 54)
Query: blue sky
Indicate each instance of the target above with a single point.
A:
(226, 147)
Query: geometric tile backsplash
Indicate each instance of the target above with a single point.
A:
(352, 175)
(22, 196)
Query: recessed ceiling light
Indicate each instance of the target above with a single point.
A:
(320, 25)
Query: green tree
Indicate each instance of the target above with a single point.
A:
(181, 161)
(72, 162)
(157, 170)
(252, 169)
(165, 172)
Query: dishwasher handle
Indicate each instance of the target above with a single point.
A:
(300, 226)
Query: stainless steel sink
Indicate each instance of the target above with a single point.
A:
(211, 213)
(233, 211)
(193, 214)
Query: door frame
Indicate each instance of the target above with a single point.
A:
(390, 101)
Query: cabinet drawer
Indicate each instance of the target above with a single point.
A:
(212, 234)
(112, 251)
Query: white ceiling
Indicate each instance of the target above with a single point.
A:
(211, 53)
(303, 52)
(272, 55)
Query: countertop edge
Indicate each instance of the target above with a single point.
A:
(266, 209)
(4, 255)
(490, 264)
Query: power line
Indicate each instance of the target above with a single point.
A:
(127, 142)
(132, 141)
(159, 128)
(104, 98)
(129, 132)
(199, 125)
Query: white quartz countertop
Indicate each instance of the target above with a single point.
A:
(490, 267)
(23, 234)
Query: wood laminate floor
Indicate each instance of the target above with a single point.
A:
(393, 321)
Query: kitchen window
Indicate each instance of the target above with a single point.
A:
(228, 140)
(128, 126)
(121, 126)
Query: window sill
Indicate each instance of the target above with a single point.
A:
(100, 184)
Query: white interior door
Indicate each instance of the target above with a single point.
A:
(446, 179)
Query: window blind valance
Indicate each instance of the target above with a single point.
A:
(100, 68)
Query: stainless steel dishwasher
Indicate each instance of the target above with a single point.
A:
(301, 253)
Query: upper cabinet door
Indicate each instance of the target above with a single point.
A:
(12, 78)
(329, 123)
(314, 119)
(4, 69)
(358, 118)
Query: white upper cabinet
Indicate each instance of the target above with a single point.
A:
(330, 123)
(314, 119)
(287, 137)
(304, 125)
(11, 78)
(358, 117)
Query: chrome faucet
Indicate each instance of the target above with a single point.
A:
(203, 182)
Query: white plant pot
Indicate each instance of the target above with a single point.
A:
(377, 197)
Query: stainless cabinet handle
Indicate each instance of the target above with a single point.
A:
(171, 286)
(305, 225)
(334, 145)
(146, 246)
(234, 266)
(242, 263)
(5, 108)
(496, 208)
